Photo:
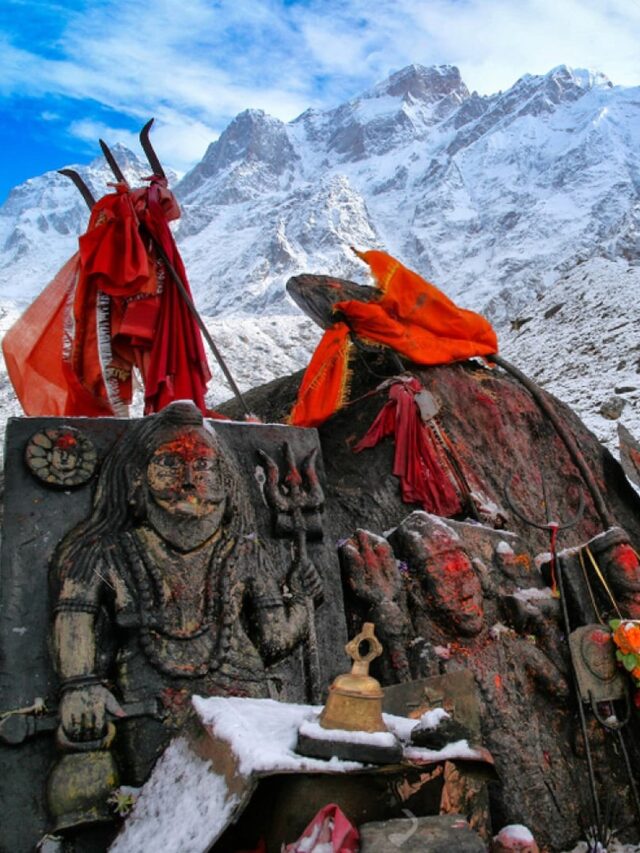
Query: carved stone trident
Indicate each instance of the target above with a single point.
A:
(296, 501)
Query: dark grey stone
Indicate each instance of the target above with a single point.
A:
(36, 518)
(440, 834)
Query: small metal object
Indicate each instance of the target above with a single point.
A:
(598, 678)
(354, 705)
(355, 698)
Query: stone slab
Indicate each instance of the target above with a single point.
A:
(36, 517)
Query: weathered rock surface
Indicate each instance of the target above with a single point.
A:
(440, 834)
(498, 618)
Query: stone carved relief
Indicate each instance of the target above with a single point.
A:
(451, 585)
(169, 566)
(163, 582)
(61, 457)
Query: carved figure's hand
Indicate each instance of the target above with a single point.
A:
(307, 579)
(83, 712)
(370, 568)
(543, 672)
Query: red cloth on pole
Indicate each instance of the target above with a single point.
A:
(422, 479)
(113, 306)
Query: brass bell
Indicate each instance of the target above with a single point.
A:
(355, 699)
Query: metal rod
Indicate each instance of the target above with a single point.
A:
(84, 190)
(113, 163)
(576, 454)
(632, 781)
(205, 332)
(583, 721)
(147, 147)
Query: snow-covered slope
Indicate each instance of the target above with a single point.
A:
(581, 342)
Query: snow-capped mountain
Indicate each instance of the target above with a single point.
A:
(491, 197)
(496, 199)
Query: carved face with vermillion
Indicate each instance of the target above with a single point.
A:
(184, 477)
(622, 566)
(453, 588)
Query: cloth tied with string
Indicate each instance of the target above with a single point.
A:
(112, 307)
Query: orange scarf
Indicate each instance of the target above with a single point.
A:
(411, 317)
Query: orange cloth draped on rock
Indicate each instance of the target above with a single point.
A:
(411, 316)
(112, 306)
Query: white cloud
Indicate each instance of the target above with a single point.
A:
(197, 63)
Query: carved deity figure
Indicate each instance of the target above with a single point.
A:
(166, 590)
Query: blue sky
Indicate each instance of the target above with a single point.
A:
(79, 69)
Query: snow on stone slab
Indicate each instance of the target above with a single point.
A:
(313, 729)
(262, 734)
(458, 750)
(185, 805)
(533, 594)
(181, 809)
(432, 719)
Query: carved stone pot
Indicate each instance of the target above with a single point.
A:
(79, 787)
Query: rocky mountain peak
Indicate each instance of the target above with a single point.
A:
(424, 84)
(252, 137)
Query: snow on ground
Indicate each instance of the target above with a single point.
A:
(185, 804)
(581, 342)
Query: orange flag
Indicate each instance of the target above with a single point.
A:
(411, 317)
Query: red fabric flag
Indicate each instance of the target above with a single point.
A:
(422, 479)
(411, 316)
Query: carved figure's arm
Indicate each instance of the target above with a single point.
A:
(544, 673)
(370, 570)
(84, 701)
(279, 616)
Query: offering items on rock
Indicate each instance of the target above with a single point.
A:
(351, 725)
